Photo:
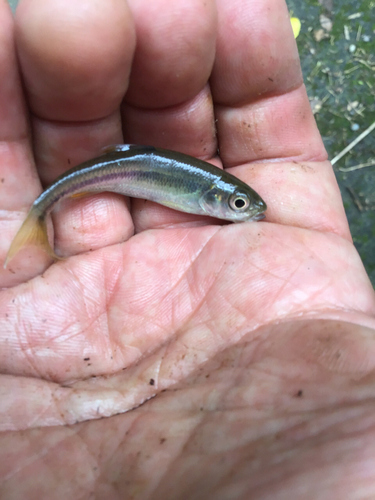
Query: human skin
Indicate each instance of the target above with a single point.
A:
(171, 356)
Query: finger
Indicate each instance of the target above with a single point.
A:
(75, 60)
(19, 183)
(70, 53)
(263, 113)
(169, 103)
(175, 51)
(188, 127)
(257, 83)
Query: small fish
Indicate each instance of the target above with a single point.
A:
(167, 177)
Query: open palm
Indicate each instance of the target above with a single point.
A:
(219, 338)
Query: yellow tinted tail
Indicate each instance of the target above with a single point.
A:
(32, 232)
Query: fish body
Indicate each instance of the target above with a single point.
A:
(167, 177)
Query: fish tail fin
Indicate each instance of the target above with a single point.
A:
(32, 232)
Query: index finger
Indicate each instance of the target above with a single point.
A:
(263, 115)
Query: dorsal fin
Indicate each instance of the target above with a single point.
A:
(117, 148)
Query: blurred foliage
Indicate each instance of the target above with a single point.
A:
(337, 50)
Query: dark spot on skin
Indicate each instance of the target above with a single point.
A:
(69, 162)
(201, 408)
(305, 168)
(208, 375)
(86, 359)
(299, 394)
(88, 364)
(2, 179)
(162, 440)
(270, 79)
(152, 381)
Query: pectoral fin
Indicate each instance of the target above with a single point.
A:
(81, 195)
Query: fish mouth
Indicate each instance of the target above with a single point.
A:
(258, 217)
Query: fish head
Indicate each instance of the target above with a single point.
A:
(234, 203)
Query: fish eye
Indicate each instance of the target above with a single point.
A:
(239, 202)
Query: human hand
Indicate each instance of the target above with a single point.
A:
(252, 337)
